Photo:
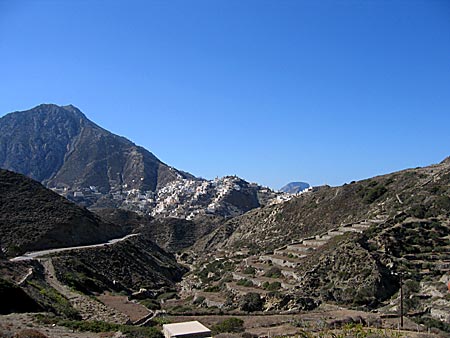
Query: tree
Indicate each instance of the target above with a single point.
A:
(251, 302)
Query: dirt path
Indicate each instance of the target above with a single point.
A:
(89, 308)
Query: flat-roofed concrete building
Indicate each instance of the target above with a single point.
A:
(192, 329)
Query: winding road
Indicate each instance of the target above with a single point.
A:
(37, 254)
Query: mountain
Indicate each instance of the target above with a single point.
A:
(61, 148)
(35, 218)
(68, 153)
(295, 187)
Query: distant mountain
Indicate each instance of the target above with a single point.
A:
(295, 187)
(61, 148)
(87, 164)
(35, 218)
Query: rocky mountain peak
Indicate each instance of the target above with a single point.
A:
(61, 147)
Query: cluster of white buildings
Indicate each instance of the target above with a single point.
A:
(183, 198)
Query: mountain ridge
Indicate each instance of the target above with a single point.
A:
(60, 146)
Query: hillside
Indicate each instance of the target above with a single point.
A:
(414, 191)
(35, 218)
(171, 234)
(344, 245)
(133, 264)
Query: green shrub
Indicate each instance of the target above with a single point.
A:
(371, 193)
(232, 324)
(432, 322)
(167, 295)
(273, 272)
(244, 282)
(249, 270)
(181, 308)
(272, 286)
(150, 304)
(251, 302)
(418, 211)
(99, 326)
(59, 303)
(443, 202)
(199, 300)
(214, 288)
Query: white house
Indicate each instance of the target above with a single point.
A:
(192, 329)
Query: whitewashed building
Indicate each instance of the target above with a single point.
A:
(192, 329)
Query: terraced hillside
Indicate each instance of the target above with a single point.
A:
(346, 245)
(423, 191)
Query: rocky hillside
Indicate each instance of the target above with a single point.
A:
(35, 218)
(128, 266)
(67, 283)
(421, 191)
(171, 234)
(346, 245)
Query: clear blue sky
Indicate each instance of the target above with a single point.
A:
(273, 91)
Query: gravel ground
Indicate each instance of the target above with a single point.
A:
(13, 323)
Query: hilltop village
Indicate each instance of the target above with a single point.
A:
(182, 198)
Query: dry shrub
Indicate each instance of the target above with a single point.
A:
(29, 333)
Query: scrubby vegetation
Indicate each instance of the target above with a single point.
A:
(98, 326)
(29, 333)
(52, 300)
(245, 282)
(232, 324)
(251, 302)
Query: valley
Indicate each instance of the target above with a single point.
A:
(105, 232)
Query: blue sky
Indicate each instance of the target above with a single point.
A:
(273, 91)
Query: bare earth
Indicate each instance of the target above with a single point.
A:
(13, 323)
(132, 310)
(275, 325)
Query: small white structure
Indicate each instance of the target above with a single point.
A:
(192, 329)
